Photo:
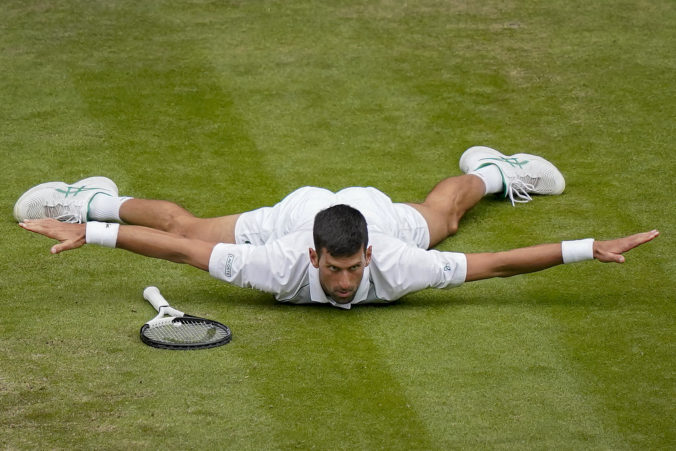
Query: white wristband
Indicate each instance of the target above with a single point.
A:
(102, 233)
(578, 250)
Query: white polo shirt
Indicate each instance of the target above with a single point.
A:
(272, 250)
(282, 267)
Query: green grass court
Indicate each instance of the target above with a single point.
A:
(225, 106)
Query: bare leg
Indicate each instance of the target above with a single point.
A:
(170, 217)
(447, 203)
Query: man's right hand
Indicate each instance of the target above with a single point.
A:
(70, 236)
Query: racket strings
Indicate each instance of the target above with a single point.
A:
(186, 331)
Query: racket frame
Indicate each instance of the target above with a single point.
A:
(169, 315)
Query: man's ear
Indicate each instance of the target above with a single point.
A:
(367, 254)
(314, 258)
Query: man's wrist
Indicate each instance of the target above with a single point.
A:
(102, 233)
(577, 251)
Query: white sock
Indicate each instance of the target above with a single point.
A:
(492, 178)
(105, 208)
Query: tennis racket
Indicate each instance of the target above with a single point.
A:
(173, 329)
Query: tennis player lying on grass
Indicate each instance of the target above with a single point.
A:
(315, 246)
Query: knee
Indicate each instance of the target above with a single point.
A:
(452, 226)
(178, 224)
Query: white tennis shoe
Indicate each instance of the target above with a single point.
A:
(522, 174)
(58, 200)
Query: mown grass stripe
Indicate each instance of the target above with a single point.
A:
(327, 381)
(161, 101)
(493, 363)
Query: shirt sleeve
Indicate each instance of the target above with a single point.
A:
(398, 268)
(277, 267)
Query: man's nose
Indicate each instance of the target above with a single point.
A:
(344, 280)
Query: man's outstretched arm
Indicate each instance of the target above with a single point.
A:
(140, 240)
(536, 258)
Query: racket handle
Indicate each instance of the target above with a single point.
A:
(153, 295)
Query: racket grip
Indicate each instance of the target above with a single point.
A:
(153, 295)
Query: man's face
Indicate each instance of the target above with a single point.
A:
(340, 276)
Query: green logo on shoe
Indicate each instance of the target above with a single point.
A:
(75, 190)
(513, 162)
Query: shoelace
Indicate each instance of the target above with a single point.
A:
(63, 213)
(518, 191)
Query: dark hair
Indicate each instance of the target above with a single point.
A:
(341, 230)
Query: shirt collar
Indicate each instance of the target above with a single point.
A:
(317, 292)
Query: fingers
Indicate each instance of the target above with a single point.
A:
(38, 225)
(633, 241)
(612, 250)
(34, 222)
(70, 236)
(605, 255)
(28, 224)
(65, 246)
(649, 236)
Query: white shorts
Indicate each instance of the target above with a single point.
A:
(297, 212)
